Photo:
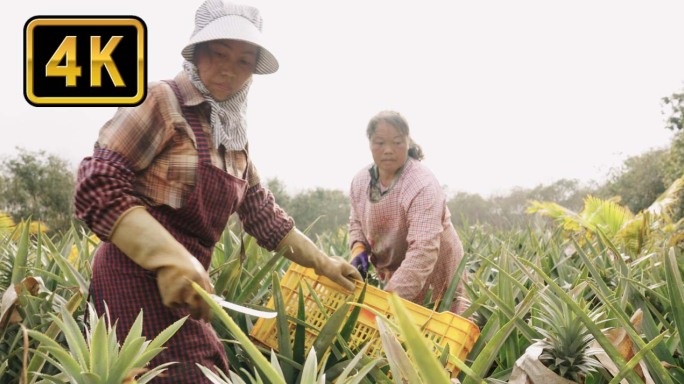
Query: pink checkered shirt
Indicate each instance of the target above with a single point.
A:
(413, 242)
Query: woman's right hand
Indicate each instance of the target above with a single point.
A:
(174, 282)
(147, 243)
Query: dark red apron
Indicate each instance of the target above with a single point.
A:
(127, 289)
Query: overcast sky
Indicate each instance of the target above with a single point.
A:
(498, 93)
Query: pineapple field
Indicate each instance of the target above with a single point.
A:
(593, 296)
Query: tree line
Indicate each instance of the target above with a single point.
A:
(40, 186)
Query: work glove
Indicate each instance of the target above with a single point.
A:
(147, 243)
(360, 259)
(300, 249)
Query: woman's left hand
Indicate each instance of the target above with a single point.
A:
(360, 262)
(299, 248)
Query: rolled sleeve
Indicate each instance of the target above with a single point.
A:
(104, 190)
(262, 218)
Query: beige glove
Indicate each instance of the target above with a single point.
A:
(145, 241)
(303, 251)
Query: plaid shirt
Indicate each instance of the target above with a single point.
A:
(413, 243)
(146, 155)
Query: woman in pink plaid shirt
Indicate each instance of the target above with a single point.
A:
(399, 218)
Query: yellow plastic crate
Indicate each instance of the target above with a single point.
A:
(442, 328)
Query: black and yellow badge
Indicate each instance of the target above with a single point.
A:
(85, 60)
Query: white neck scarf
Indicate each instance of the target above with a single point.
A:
(228, 118)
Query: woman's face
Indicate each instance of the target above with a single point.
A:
(225, 65)
(389, 148)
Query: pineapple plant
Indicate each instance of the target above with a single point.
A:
(566, 340)
(99, 356)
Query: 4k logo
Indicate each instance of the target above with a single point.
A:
(85, 60)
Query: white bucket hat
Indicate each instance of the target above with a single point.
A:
(216, 20)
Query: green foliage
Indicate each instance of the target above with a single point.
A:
(42, 291)
(322, 210)
(606, 215)
(674, 167)
(335, 242)
(673, 109)
(638, 181)
(37, 185)
(673, 106)
(505, 212)
(617, 223)
(6, 222)
(469, 208)
(278, 188)
(674, 159)
(675, 292)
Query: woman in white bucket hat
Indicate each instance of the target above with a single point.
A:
(162, 181)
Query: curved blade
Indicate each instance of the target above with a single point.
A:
(245, 310)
